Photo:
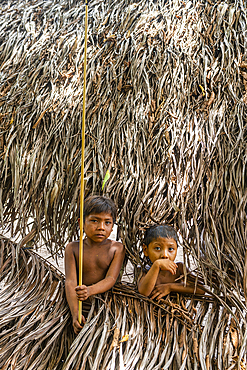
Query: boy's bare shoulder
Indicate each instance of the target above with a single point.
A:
(72, 246)
(118, 246)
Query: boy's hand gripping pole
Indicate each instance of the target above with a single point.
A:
(82, 162)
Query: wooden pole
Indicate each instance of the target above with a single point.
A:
(82, 163)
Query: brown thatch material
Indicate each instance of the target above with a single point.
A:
(166, 114)
(124, 329)
(35, 323)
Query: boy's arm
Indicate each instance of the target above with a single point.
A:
(147, 282)
(83, 292)
(164, 289)
(70, 284)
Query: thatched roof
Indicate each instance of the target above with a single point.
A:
(166, 114)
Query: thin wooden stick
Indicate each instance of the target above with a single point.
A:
(82, 164)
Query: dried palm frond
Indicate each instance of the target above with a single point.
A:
(123, 329)
(131, 332)
(35, 321)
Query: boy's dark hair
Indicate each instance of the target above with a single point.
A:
(156, 231)
(99, 204)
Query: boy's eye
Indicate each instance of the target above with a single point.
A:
(171, 249)
(157, 248)
(108, 222)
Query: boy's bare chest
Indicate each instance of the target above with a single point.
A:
(96, 258)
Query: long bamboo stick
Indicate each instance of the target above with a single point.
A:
(82, 162)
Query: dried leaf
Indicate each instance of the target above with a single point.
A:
(125, 338)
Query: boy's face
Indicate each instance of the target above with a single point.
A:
(161, 248)
(98, 226)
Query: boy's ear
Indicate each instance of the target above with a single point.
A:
(145, 250)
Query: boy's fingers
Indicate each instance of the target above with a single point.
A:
(82, 296)
(80, 287)
(173, 270)
(172, 263)
(82, 293)
(170, 266)
(160, 296)
(155, 294)
(77, 327)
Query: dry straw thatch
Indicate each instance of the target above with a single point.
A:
(166, 114)
(124, 329)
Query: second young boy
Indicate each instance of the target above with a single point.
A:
(162, 278)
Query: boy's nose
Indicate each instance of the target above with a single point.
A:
(164, 254)
(101, 225)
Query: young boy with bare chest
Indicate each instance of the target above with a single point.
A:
(102, 257)
(160, 246)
